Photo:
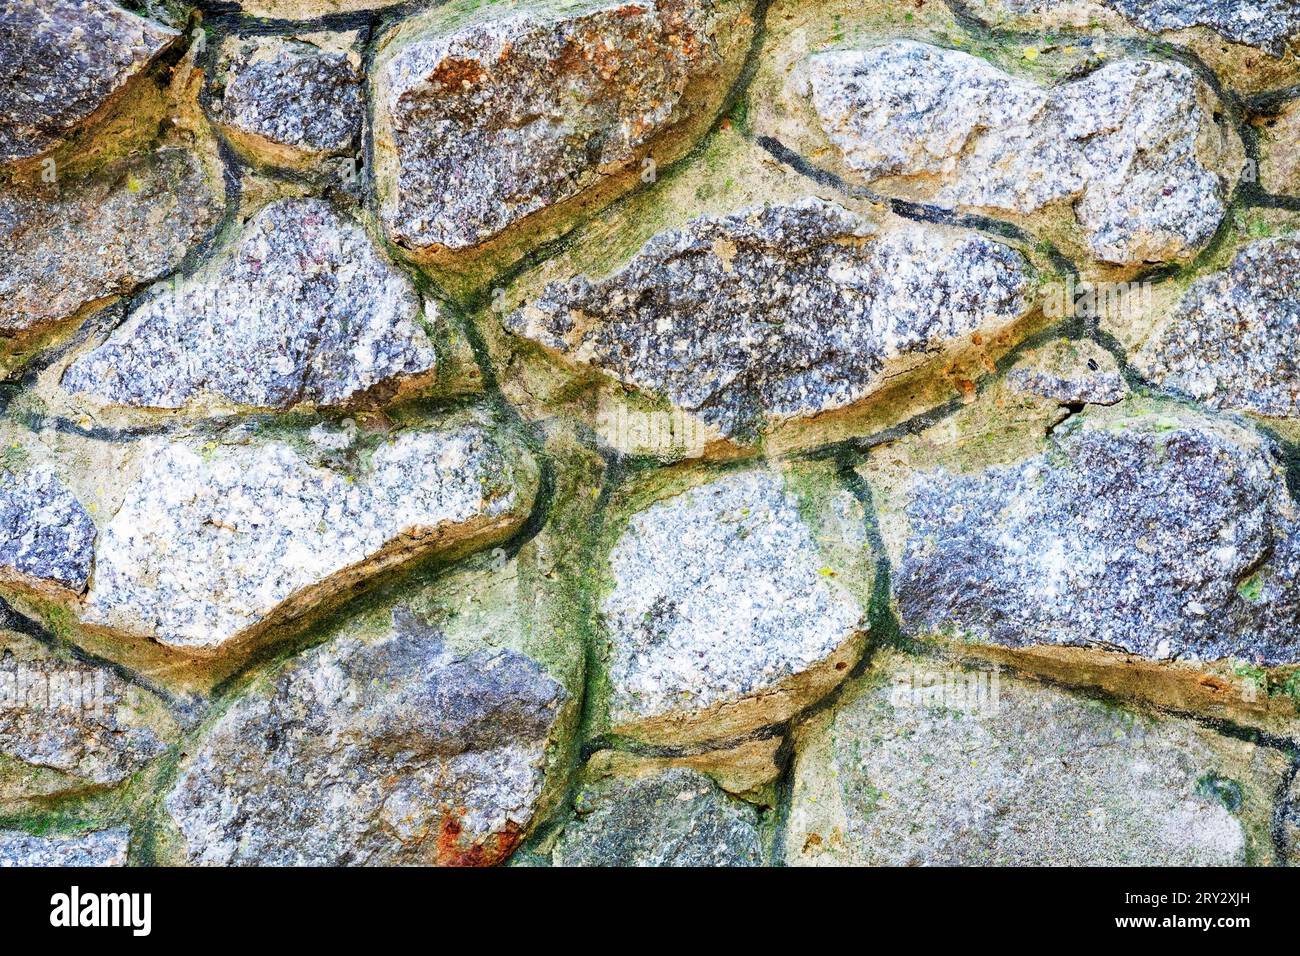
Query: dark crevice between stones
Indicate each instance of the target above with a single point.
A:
(1285, 816)
(229, 13)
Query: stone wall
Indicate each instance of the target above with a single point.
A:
(635, 432)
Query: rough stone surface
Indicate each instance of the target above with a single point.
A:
(61, 61)
(210, 542)
(779, 312)
(907, 774)
(67, 725)
(132, 223)
(506, 117)
(302, 309)
(395, 751)
(290, 100)
(1134, 147)
(1279, 161)
(104, 848)
(1071, 373)
(1161, 535)
(1234, 340)
(45, 534)
(677, 817)
(720, 618)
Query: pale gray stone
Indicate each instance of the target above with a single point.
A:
(132, 222)
(102, 848)
(922, 766)
(1071, 372)
(213, 542)
(61, 61)
(46, 536)
(1234, 340)
(1164, 535)
(302, 309)
(1134, 146)
(507, 116)
(779, 312)
(289, 99)
(389, 751)
(719, 615)
(676, 817)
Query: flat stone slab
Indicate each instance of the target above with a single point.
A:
(382, 752)
(1166, 534)
(1134, 147)
(301, 309)
(46, 536)
(1071, 372)
(720, 619)
(927, 765)
(130, 224)
(1234, 340)
(780, 312)
(103, 848)
(213, 543)
(676, 817)
(481, 125)
(61, 62)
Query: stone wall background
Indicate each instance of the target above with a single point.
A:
(716, 432)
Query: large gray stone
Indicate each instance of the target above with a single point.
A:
(131, 223)
(301, 309)
(500, 118)
(212, 544)
(923, 765)
(289, 101)
(780, 312)
(1135, 147)
(103, 848)
(387, 751)
(46, 537)
(1161, 534)
(676, 817)
(67, 726)
(722, 616)
(1234, 340)
(61, 62)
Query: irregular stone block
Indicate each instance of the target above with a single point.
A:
(46, 537)
(1138, 148)
(780, 312)
(722, 616)
(104, 848)
(1166, 535)
(913, 768)
(1279, 160)
(483, 124)
(1234, 340)
(129, 224)
(396, 750)
(212, 545)
(62, 62)
(68, 726)
(286, 101)
(676, 817)
(1072, 372)
(302, 309)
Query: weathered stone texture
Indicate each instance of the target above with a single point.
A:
(133, 222)
(1136, 147)
(720, 618)
(210, 542)
(780, 312)
(103, 848)
(912, 771)
(1234, 340)
(1071, 373)
(392, 751)
(676, 817)
(1165, 535)
(486, 125)
(302, 309)
(46, 537)
(61, 61)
